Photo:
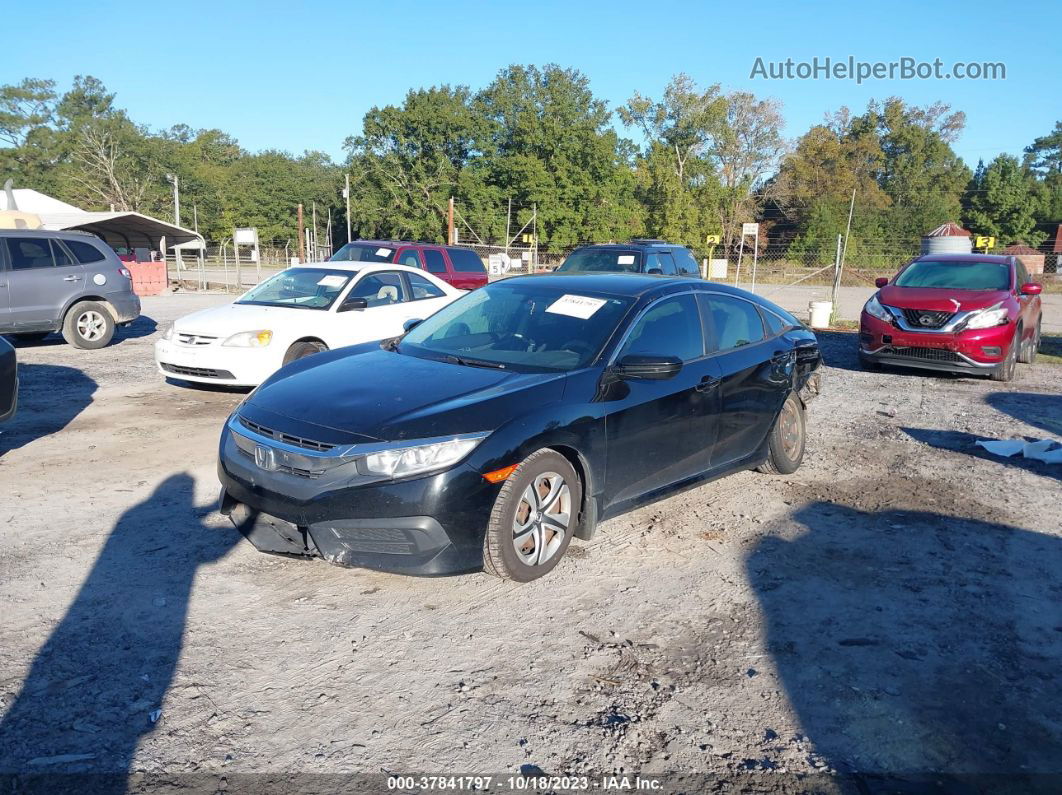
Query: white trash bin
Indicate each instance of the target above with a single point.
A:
(820, 313)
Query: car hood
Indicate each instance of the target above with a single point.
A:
(938, 299)
(224, 321)
(353, 395)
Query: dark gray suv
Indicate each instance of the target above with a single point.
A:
(71, 282)
(641, 255)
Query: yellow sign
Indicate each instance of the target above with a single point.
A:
(529, 238)
(713, 240)
(985, 242)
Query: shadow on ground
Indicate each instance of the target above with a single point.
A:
(1043, 411)
(961, 442)
(93, 690)
(143, 326)
(912, 642)
(49, 397)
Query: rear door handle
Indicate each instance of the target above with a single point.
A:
(708, 383)
(71, 278)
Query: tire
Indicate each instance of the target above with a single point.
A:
(518, 513)
(300, 350)
(88, 325)
(785, 446)
(35, 336)
(1027, 355)
(1005, 372)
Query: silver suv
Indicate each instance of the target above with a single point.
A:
(70, 282)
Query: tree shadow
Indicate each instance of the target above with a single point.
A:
(1043, 411)
(143, 326)
(50, 397)
(93, 690)
(915, 644)
(961, 442)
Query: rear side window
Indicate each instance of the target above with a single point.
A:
(85, 252)
(671, 327)
(422, 288)
(775, 324)
(27, 253)
(685, 262)
(433, 261)
(662, 261)
(735, 322)
(466, 261)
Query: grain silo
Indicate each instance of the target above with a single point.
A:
(949, 238)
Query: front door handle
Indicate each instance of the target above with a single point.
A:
(71, 278)
(708, 383)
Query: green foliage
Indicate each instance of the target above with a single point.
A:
(1003, 201)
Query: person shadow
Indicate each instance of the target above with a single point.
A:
(918, 649)
(98, 684)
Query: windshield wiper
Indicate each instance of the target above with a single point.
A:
(474, 362)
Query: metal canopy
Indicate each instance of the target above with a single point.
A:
(121, 228)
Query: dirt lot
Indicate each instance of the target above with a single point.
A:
(893, 607)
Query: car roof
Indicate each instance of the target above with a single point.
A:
(633, 285)
(969, 258)
(75, 233)
(412, 243)
(366, 267)
(637, 243)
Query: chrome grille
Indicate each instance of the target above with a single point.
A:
(195, 339)
(312, 474)
(928, 354)
(926, 318)
(297, 441)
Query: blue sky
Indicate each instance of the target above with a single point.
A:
(299, 76)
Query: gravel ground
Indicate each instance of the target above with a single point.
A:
(894, 607)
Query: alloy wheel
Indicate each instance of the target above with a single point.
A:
(542, 519)
(789, 427)
(91, 325)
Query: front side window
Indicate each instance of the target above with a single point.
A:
(409, 258)
(380, 289)
(28, 253)
(363, 252)
(522, 327)
(955, 275)
(422, 288)
(735, 322)
(434, 261)
(671, 327)
(465, 261)
(605, 260)
(299, 288)
(85, 252)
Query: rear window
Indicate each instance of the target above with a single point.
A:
(602, 259)
(955, 275)
(85, 252)
(687, 265)
(363, 252)
(466, 261)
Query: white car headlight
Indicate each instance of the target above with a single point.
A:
(875, 309)
(250, 339)
(418, 459)
(988, 318)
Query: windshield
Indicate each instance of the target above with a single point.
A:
(363, 252)
(300, 288)
(955, 275)
(608, 260)
(523, 327)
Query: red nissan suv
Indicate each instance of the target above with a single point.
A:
(966, 313)
(458, 266)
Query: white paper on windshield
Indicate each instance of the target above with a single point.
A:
(625, 259)
(579, 306)
(332, 281)
(383, 252)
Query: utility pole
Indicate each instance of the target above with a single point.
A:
(313, 237)
(848, 229)
(302, 250)
(450, 223)
(346, 195)
(176, 216)
(534, 236)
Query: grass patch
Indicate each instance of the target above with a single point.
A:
(1050, 350)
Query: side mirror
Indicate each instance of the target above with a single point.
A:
(354, 303)
(647, 368)
(412, 323)
(881, 281)
(655, 272)
(1031, 288)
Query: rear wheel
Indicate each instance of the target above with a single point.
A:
(533, 518)
(88, 325)
(1027, 355)
(1005, 371)
(785, 448)
(300, 350)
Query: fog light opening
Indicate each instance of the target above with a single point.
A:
(991, 350)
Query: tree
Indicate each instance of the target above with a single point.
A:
(1002, 201)
(25, 106)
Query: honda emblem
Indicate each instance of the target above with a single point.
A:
(265, 457)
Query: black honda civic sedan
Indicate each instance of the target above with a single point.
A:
(517, 417)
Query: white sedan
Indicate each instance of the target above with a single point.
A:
(303, 310)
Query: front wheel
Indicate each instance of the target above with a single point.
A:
(88, 325)
(785, 447)
(1027, 354)
(533, 518)
(300, 350)
(1005, 371)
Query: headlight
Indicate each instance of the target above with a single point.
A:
(417, 459)
(875, 309)
(988, 318)
(249, 339)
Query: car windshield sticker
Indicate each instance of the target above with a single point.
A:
(383, 252)
(579, 306)
(625, 259)
(332, 281)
